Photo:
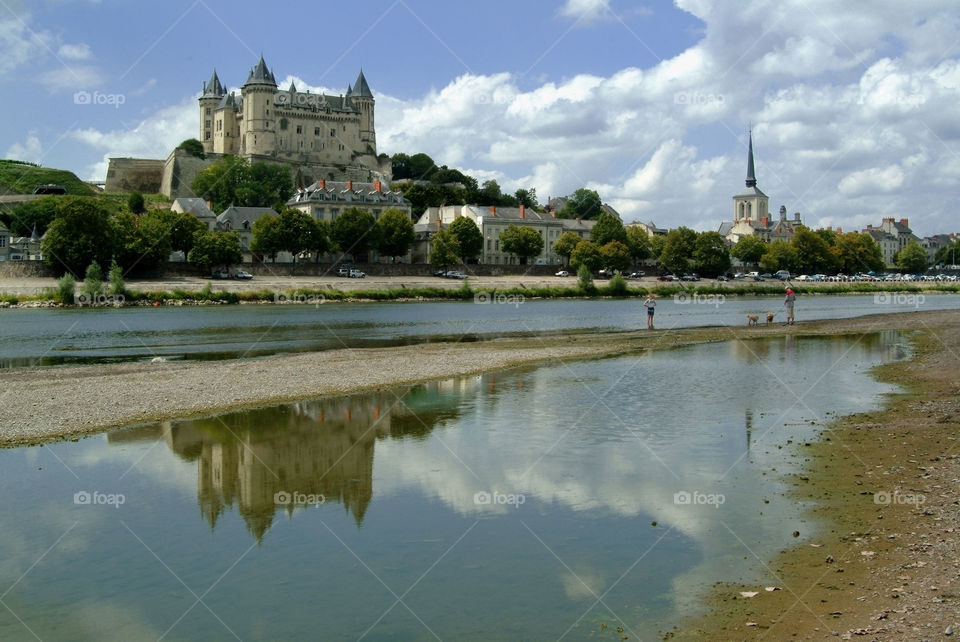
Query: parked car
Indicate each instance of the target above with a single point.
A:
(453, 274)
(689, 277)
(739, 275)
(637, 275)
(562, 273)
(804, 277)
(667, 277)
(819, 277)
(344, 271)
(356, 274)
(220, 274)
(783, 275)
(759, 278)
(242, 274)
(722, 278)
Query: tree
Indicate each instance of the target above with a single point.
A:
(318, 241)
(136, 204)
(586, 254)
(616, 256)
(947, 255)
(139, 243)
(813, 252)
(296, 231)
(608, 228)
(584, 203)
(193, 147)
(913, 259)
(92, 282)
(80, 234)
(678, 249)
(522, 241)
(215, 249)
(490, 193)
(638, 242)
(468, 236)
(527, 197)
(855, 252)
(182, 227)
(710, 254)
(445, 250)
(780, 255)
(396, 233)
(267, 236)
(565, 244)
(749, 249)
(400, 166)
(355, 231)
(117, 286)
(421, 167)
(231, 180)
(32, 215)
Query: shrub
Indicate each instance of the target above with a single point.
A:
(117, 286)
(92, 281)
(617, 286)
(585, 279)
(65, 288)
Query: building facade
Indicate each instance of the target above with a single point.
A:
(324, 200)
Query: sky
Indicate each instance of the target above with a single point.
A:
(852, 105)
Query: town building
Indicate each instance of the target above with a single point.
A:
(324, 200)
(4, 242)
(198, 208)
(241, 220)
(932, 244)
(892, 236)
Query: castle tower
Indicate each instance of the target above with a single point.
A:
(362, 99)
(213, 93)
(226, 135)
(750, 204)
(258, 133)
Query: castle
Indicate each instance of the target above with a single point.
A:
(317, 135)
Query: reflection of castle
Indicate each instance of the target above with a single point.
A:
(322, 447)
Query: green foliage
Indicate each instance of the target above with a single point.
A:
(231, 180)
(616, 256)
(657, 244)
(418, 167)
(468, 236)
(92, 281)
(813, 252)
(136, 204)
(638, 242)
(584, 203)
(913, 258)
(710, 254)
(216, 249)
(80, 233)
(444, 250)
(586, 254)
(678, 249)
(565, 244)
(355, 231)
(66, 285)
(140, 244)
(22, 178)
(585, 278)
(749, 249)
(267, 236)
(193, 147)
(780, 255)
(117, 286)
(527, 197)
(617, 285)
(608, 228)
(396, 233)
(36, 214)
(298, 232)
(182, 228)
(855, 252)
(947, 255)
(522, 241)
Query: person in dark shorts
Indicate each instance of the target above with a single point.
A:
(650, 304)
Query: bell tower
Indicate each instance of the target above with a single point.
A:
(751, 204)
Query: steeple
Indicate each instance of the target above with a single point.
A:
(751, 173)
(213, 87)
(361, 88)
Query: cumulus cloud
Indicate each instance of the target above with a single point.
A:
(29, 150)
(871, 181)
(79, 51)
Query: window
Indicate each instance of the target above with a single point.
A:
(299, 129)
(283, 123)
(333, 132)
(207, 112)
(496, 245)
(206, 124)
(333, 213)
(489, 245)
(3, 241)
(316, 131)
(206, 135)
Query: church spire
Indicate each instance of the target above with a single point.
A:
(751, 173)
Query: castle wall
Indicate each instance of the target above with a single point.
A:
(179, 170)
(134, 175)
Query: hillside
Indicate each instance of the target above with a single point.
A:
(18, 177)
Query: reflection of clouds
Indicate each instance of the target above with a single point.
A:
(106, 620)
(582, 584)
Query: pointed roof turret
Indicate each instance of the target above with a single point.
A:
(361, 88)
(293, 88)
(213, 88)
(260, 75)
(751, 173)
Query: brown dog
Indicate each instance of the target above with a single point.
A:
(752, 319)
(770, 316)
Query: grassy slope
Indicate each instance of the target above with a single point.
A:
(17, 177)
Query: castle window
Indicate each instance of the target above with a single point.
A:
(206, 135)
(299, 129)
(316, 131)
(283, 123)
(208, 111)
(333, 213)
(333, 132)
(206, 124)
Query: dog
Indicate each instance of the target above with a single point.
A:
(752, 319)
(770, 316)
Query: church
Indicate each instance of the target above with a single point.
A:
(751, 211)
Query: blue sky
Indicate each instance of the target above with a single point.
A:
(853, 111)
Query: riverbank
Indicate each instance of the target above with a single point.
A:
(885, 486)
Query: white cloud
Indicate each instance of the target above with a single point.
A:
(21, 44)
(872, 181)
(29, 150)
(585, 10)
(79, 51)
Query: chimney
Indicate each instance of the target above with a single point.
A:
(323, 183)
(350, 185)
(493, 211)
(523, 211)
(905, 222)
(377, 186)
(839, 230)
(210, 205)
(765, 221)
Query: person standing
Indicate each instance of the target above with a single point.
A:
(788, 304)
(650, 304)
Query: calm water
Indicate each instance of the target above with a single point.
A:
(514, 505)
(52, 337)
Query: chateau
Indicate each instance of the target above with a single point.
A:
(318, 136)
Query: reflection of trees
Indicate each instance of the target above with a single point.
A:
(320, 447)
